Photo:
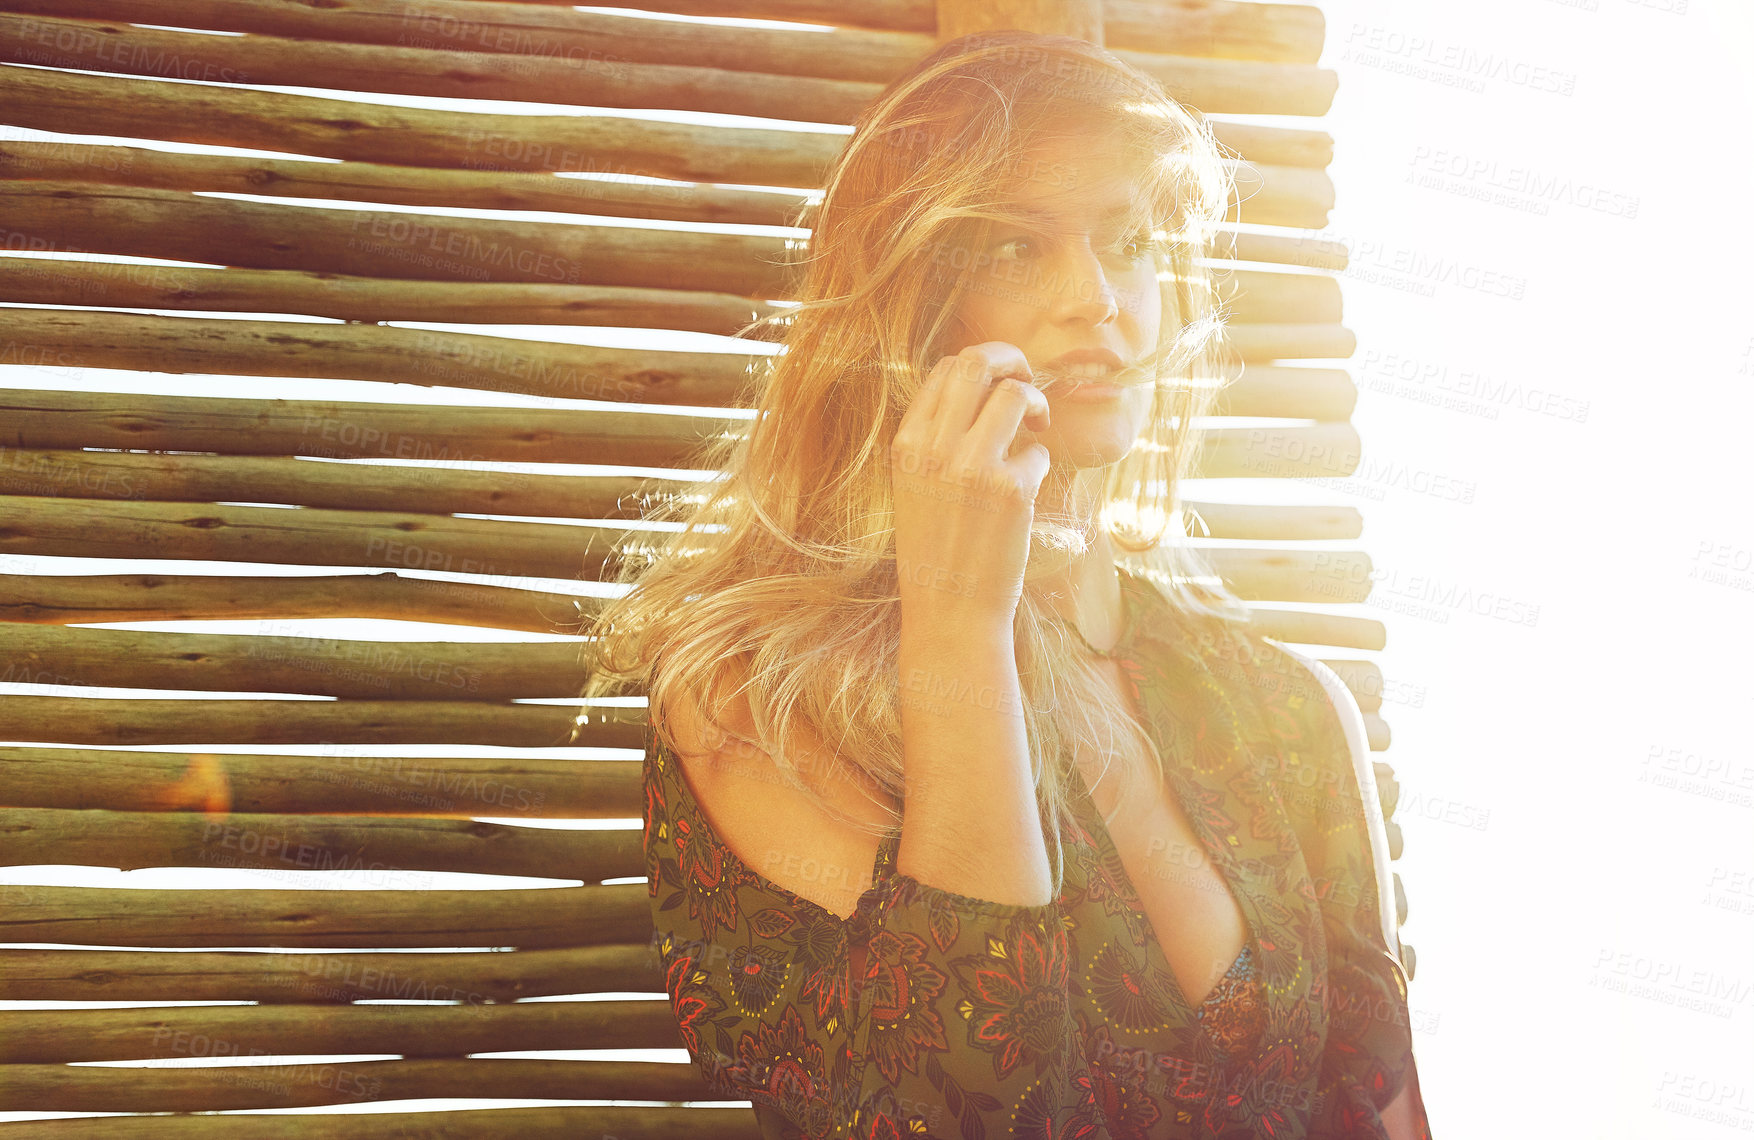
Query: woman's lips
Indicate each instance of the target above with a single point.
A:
(1074, 388)
(1089, 392)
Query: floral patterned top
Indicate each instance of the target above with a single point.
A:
(974, 1019)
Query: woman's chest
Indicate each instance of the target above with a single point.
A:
(1198, 923)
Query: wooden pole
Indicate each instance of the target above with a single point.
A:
(106, 916)
(323, 978)
(512, 553)
(583, 40)
(45, 281)
(626, 1123)
(191, 723)
(52, 599)
(1081, 19)
(339, 781)
(267, 662)
(610, 195)
(1289, 33)
(359, 669)
(414, 136)
(1280, 33)
(62, 1035)
(405, 853)
(599, 69)
(64, 599)
(142, 222)
(436, 490)
(24, 160)
(219, 1087)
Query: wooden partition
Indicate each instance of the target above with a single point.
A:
(133, 783)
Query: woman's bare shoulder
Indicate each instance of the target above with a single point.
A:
(774, 829)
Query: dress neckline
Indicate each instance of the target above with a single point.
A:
(1133, 606)
(1129, 620)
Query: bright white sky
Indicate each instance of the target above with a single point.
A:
(1556, 365)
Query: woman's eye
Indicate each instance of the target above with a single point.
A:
(1009, 242)
(1139, 246)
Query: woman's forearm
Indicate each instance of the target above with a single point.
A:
(970, 822)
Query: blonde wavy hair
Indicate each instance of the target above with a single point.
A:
(781, 585)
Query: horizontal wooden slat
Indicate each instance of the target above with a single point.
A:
(1287, 390)
(93, 45)
(383, 670)
(583, 39)
(30, 160)
(382, 850)
(338, 782)
(1317, 628)
(138, 221)
(603, 61)
(1293, 341)
(515, 551)
(1388, 789)
(191, 722)
(264, 663)
(63, 338)
(220, 1087)
(143, 721)
(1363, 678)
(365, 181)
(348, 429)
(327, 978)
(47, 1036)
(120, 916)
(315, 126)
(69, 599)
(37, 419)
(624, 1123)
(338, 128)
(1287, 33)
(1280, 33)
(352, 485)
(348, 485)
(81, 598)
(58, 281)
(899, 15)
(1239, 87)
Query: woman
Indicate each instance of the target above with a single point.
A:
(1134, 891)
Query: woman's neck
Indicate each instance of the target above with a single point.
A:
(1086, 588)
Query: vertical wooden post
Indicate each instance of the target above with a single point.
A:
(1081, 18)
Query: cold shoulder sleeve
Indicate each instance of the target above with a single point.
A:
(965, 1025)
(1368, 1058)
(924, 1014)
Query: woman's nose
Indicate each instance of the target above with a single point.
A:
(1085, 288)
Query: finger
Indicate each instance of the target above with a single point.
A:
(929, 397)
(1031, 465)
(968, 384)
(996, 428)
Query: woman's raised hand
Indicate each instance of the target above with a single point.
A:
(963, 501)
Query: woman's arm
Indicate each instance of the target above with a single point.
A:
(1405, 1117)
(971, 824)
(963, 509)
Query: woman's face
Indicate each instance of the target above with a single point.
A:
(1073, 281)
